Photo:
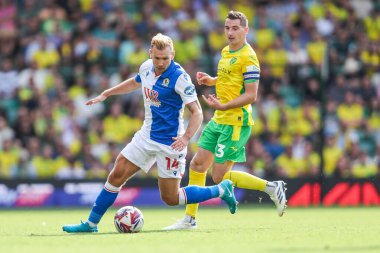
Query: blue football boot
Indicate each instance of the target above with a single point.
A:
(83, 227)
(228, 195)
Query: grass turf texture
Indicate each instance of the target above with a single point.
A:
(250, 230)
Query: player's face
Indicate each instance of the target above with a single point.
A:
(161, 59)
(235, 33)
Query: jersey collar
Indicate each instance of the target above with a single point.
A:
(234, 51)
(172, 67)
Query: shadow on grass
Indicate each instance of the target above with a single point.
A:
(104, 233)
(207, 231)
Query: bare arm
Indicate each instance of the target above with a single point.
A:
(248, 97)
(206, 79)
(123, 87)
(196, 118)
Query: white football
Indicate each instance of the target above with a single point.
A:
(129, 219)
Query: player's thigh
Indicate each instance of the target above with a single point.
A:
(170, 163)
(202, 160)
(140, 152)
(122, 171)
(231, 144)
(209, 136)
(169, 190)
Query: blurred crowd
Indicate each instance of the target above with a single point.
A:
(320, 63)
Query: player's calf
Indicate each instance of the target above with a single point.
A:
(170, 200)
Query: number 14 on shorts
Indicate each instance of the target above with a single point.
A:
(171, 163)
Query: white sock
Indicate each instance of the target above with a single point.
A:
(111, 188)
(91, 224)
(270, 188)
(182, 197)
(221, 191)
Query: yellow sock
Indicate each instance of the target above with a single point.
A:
(245, 180)
(195, 178)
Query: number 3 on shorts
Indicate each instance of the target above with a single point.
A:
(220, 152)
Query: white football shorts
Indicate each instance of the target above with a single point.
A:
(144, 152)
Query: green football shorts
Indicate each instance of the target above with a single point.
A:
(225, 141)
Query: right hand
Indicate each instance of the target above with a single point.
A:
(96, 100)
(203, 78)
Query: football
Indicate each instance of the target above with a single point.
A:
(129, 219)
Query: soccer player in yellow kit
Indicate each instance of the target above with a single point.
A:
(224, 137)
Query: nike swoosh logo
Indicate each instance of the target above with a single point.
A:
(229, 194)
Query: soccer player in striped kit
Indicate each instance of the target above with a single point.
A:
(167, 89)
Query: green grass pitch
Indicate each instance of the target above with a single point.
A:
(252, 229)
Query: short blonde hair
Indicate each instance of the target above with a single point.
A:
(161, 41)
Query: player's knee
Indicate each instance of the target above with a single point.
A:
(170, 200)
(196, 165)
(217, 178)
(120, 173)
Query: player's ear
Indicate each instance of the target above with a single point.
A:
(246, 29)
(173, 54)
(150, 53)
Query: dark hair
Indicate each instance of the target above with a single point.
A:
(238, 15)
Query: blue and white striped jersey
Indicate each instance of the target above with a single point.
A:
(165, 97)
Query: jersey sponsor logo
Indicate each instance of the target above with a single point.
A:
(233, 60)
(224, 70)
(252, 68)
(152, 96)
(165, 82)
(189, 90)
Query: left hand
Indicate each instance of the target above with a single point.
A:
(96, 100)
(179, 143)
(214, 102)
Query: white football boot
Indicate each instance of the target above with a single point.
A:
(279, 197)
(186, 223)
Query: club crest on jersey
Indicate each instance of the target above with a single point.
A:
(233, 60)
(189, 90)
(165, 82)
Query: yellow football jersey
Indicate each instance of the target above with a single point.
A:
(235, 69)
